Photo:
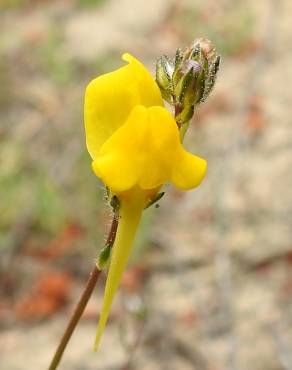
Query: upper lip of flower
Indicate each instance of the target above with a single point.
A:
(110, 98)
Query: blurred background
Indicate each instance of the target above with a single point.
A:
(209, 286)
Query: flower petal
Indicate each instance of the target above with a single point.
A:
(146, 152)
(111, 97)
(189, 171)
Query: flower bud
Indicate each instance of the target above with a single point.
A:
(189, 79)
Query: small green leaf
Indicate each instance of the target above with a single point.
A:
(104, 256)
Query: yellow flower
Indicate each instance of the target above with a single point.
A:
(135, 146)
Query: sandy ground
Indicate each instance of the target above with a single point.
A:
(217, 281)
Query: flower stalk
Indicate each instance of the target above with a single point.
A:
(82, 303)
(76, 315)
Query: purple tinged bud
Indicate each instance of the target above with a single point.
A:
(190, 64)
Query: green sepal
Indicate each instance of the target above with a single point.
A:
(164, 71)
(155, 199)
(211, 77)
(178, 58)
(183, 85)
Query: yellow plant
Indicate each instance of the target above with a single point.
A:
(135, 145)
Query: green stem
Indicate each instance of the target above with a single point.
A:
(183, 130)
(182, 127)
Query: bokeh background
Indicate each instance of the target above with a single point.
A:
(209, 286)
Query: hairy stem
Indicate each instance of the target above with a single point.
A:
(79, 309)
